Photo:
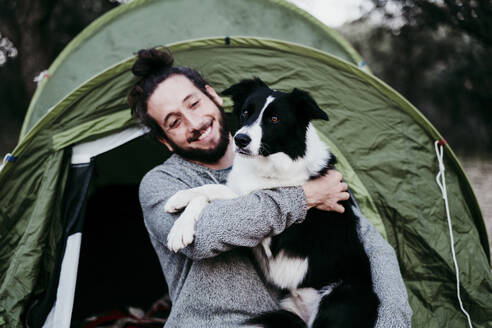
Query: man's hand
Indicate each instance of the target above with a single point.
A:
(325, 192)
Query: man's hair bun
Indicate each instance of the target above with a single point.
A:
(152, 61)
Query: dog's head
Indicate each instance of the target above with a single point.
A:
(272, 121)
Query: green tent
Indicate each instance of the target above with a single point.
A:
(147, 23)
(75, 172)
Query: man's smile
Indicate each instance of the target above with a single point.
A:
(205, 133)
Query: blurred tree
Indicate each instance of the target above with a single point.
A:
(38, 30)
(437, 54)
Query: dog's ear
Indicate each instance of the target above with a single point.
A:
(239, 92)
(307, 105)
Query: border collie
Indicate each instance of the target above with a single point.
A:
(320, 264)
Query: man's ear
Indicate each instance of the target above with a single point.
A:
(306, 105)
(166, 143)
(239, 92)
(211, 91)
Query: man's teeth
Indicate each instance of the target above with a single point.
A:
(205, 133)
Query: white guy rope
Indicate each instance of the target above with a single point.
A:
(441, 181)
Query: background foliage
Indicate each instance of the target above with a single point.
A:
(39, 30)
(438, 55)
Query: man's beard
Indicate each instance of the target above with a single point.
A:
(208, 156)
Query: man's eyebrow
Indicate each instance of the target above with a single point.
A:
(187, 97)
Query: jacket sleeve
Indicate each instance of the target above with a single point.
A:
(394, 309)
(224, 224)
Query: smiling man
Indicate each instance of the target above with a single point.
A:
(193, 121)
(214, 282)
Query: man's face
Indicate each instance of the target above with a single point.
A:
(192, 122)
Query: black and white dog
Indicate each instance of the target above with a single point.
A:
(321, 263)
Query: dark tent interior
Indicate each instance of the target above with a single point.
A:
(118, 266)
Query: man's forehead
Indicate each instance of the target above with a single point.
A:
(172, 92)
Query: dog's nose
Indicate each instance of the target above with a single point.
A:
(242, 140)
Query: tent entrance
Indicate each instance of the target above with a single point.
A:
(106, 261)
(118, 266)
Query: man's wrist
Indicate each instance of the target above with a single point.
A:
(309, 196)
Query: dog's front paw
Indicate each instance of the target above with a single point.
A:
(181, 234)
(179, 200)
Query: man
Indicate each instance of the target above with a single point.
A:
(214, 282)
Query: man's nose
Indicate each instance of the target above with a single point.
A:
(194, 121)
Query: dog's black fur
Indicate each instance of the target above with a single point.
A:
(329, 240)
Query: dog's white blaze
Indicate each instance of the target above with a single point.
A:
(287, 272)
(255, 134)
(254, 130)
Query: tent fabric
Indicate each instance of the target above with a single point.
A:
(30, 226)
(386, 145)
(146, 23)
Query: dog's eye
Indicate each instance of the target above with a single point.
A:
(274, 119)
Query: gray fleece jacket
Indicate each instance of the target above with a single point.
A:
(214, 282)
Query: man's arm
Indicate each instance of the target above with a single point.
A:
(243, 221)
(394, 310)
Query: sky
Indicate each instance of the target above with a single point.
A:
(334, 13)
